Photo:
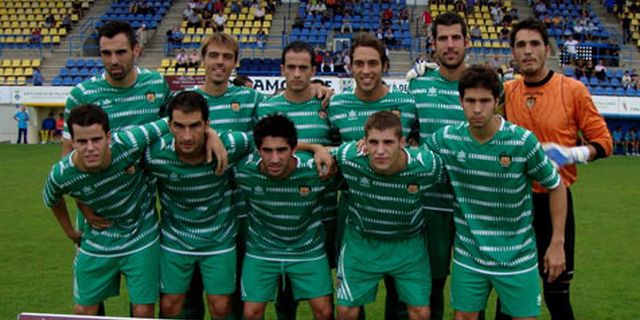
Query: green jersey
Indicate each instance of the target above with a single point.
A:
(492, 186)
(349, 114)
(234, 110)
(284, 215)
(114, 194)
(196, 203)
(126, 107)
(309, 117)
(387, 207)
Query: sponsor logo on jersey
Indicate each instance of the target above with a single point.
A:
(87, 190)
(304, 190)
(432, 92)
(353, 115)
(505, 160)
(258, 190)
(462, 156)
(413, 188)
(365, 182)
(151, 96)
(235, 106)
(174, 177)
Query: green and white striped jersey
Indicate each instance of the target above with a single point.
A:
(284, 221)
(196, 203)
(312, 123)
(118, 196)
(387, 207)
(349, 114)
(234, 110)
(438, 105)
(310, 119)
(126, 107)
(492, 186)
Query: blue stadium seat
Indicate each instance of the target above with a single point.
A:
(70, 63)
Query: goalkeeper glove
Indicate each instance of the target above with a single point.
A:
(566, 155)
(420, 68)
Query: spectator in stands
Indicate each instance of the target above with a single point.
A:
(318, 58)
(242, 81)
(48, 129)
(36, 36)
(380, 33)
(403, 16)
(633, 141)
(259, 12)
(386, 18)
(261, 40)
(580, 68)
(65, 22)
(59, 126)
(600, 70)
(327, 62)
(540, 8)
(327, 16)
(235, 7)
(460, 6)
(504, 34)
(194, 59)
(497, 15)
(389, 38)
(426, 19)
(557, 21)
(182, 61)
(475, 32)
(49, 21)
(77, 7)
(346, 23)
(618, 141)
(37, 78)
(192, 17)
(177, 35)
(571, 48)
(22, 118)
(142, 37)
(589, 69)
(298, 22)
(219, 20)
(270, 6)
(134, 6)
(626, 81)
(346, 61)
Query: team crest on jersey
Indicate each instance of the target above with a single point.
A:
(235, 106)
(304, 190)
(531, 101)
(87, 190)
(365, 182)
(258, 190)
(174, 177)
(151, 96)
(432, 92)
(505, 160)
(322, 113)
(462, 156)
(353, 115)
(413, 188)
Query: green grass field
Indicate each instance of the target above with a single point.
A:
(35, 268)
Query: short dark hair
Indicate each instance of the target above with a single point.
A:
(87, 115)
(369, 40)
(114, 27)
(449, 18)
(299, 46)
(479, 76)
(188, 102)
(277, 126)
(530, 24)
(383, 120)
(241, 81)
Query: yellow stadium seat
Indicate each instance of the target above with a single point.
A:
(28, 72)
(75, 18)
(191, 71)
(191, 30)
(200, 31)
(186, 39)
(18, 72)
(236, 31)
(244, 10)
(266, 24)
(246, 31)
(242, 17)
(3, 81)
(53, 31)
(233, 17)
(6, 63)
(44, 32)
(491, 29)
(46, 40)
(160, 70)
(1, 71)
(8, 71)
(35, 63)
(15, 63)
(200, 71)
(230, 24)
(56, 40)
(208, 31)
(170, 72)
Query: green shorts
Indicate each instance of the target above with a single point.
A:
(98, 278)
(309, 279)
(440, 231)
(519, 293)
(218, 271)
(365, 261)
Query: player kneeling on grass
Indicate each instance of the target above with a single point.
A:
(491, 165)
(285, 235)
(384, 233)
(94, 173)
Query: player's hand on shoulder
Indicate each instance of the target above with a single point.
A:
(325, 163)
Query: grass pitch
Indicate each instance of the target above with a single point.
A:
(36, 257)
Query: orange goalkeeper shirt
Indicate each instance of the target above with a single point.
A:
(556, 109)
